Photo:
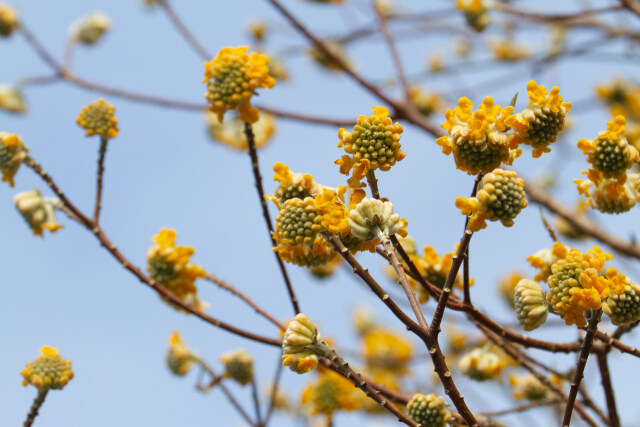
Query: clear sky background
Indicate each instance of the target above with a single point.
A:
(163, 171)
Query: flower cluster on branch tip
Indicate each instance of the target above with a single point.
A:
(482, 363)
(475, 12)
(98, 119)
(298, 352)
(11, 99)
(238, 366)
(429, 410)
(170, 266)
(330, 393)
(12, 153)
(38, 211)
(180, 358)
(232, 78)
(49, 371)
(89, 29)
(530, 304)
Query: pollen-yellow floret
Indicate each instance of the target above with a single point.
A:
(477, 139)
(475, 12)
(329, 393)
(293, 184)
(12, 153)
(11, 100)
(576, 284)
(231, 132)
(608, 195)
(539, 124)
(375, 139)
(500, 197)
(622, 304)
(238, 366)
(386, 349)
(48, 371)
(8, 20)
(530, 304)
(232, 78)
(545, 258)
(98, 119)
(429, 410)
(610, 153)
(297, 346)
(180, 358)
(170, 266)
(37, 211)
(481, 364)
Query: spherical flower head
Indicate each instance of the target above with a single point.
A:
(386, 349)
(297, 345)
(477, 140)
(170, 266)
(610, 153)
(500, 197)
(540, 123)
(238, 366)
(608, 195)
(530, 304)
(293, 184)
(180, 358)
(12, 153)
(330, 393)
(232, 78)
(38, 211)
(375, 139)
(11, 100)
(90, 29)
(475, 13)
(545, 258)
(8, 20)
(325, 61)
(622, 94)
(318, 253)
(231, 132)
(48, 372)
(622, 304)
(425, 102)
(529, 387)
(374, 219)
(435, 269)
(481, 364)
(298, 221)
(98, 119)
(429, 410)
(576, 284)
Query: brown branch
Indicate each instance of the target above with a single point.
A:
(232, 289)
(522, 408)
(274, 393)
(216, 380)
(582, 363)
(35, 407)
(101, 156)
(113, 250)
(607, 387)
(42, 52)
(253, 153)
(556, 18)
(256, 401)
(184, 30)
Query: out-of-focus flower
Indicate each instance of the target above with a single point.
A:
(238, 366)
(232, 78)
(170, 266)
(258, 30)
(530, 304)
(8, 20)
(538, 125)
(475, 12)
(500, 197)
(48, 371)
(11, 100)
(98, 119)
(386, 349)
(608, 195)
(507, 50)
(325, 61)
(12, 153)
(529, 387)
(476, 137)
(429, 410)
(330, 393)
(507, 286)
(427, 103)
(363, 320)
(322, 271)
(37, 211)
(297, 351)
(231, 132)
(545, 258)
(566, 229)
(481, 364)
(435, 63)
(180, 358)
(90, 29)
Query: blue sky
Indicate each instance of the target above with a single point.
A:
(163, 171)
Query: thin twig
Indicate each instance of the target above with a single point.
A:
(35, 407)
(582, 363)
(256, 400)
(607, 387)
(522, 408)
(274, 392)
(184, 30)
(101, 156)
(253, 153)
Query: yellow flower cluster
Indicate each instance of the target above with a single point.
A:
(329, 393)
(531, 388)
(231, 132)
(180, 358)
(477, 138)
(38, 211)
(500, 197)
(481, 363)
(427, 103)
(373, 144)
(12, 153)
(48, 371)
(238, 366)
(232, 78)
(11, 100)
(509, 51)
(293, 184)
(297, 353)
(8, 20)
(545, 258)
(170, 266)
(608, 195)
(98, 119)
(384, 349)
(475, 13)
(429, 410)
(623, 98)
(579, 282)
(90, 29)
(538, 125)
